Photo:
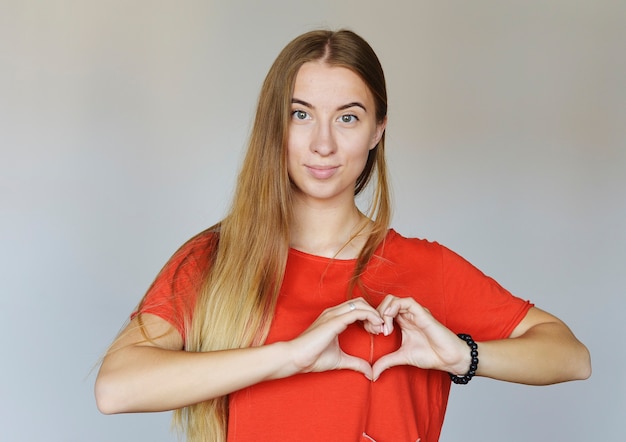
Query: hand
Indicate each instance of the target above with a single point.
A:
(317, 348)
(426, 343)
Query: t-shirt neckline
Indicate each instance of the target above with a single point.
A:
(325, 259)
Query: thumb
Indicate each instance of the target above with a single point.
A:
(385, 362)
(357, 364)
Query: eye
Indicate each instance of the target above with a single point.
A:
(348, 118)
(300, 115)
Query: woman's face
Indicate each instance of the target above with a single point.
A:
(332, 129)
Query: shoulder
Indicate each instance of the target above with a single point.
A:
(199, 249)
(173, 292)
(189, 264)
(414, 247)
(429, 256)
(397, 245)
(204, 241)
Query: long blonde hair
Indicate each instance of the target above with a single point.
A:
(236, 304)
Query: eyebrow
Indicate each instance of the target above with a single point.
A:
(340, 108)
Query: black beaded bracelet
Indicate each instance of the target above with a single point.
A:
(473, 365)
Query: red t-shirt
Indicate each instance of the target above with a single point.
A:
(405, 404)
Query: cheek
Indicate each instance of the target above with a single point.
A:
(360, 148)
(294, 144)
(291, 158)
(289, 149)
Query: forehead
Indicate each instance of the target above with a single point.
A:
(319, 81)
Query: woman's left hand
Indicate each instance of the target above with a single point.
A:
(426, 343)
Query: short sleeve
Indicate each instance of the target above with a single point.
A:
(475, 303)
(173, 294)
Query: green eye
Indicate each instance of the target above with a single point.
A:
(300, 115)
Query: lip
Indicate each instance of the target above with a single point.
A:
(321, 172)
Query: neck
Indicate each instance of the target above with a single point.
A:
(333, 232)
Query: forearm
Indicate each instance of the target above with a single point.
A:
(546, 353)
(145, 378)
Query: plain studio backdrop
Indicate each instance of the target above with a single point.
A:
(122, 127)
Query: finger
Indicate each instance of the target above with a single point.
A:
(353, 304)
(370, 317)
(357, 364)
(373, 328)
(385, 303)
(386, 362)
(387, 314)
(373, 324)
(402, 306)
(346, 313)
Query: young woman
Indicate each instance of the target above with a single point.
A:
(298, 317)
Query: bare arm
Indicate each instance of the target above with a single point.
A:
(138, 375)
(541, 350)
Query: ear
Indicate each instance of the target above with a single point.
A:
(378, 134)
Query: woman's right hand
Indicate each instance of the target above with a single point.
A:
(317, 349)
(145, 375)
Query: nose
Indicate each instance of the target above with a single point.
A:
(323, 140)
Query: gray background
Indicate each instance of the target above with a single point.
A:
(122, 125)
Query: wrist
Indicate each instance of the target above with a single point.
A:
(283, 364)
(463, 377)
